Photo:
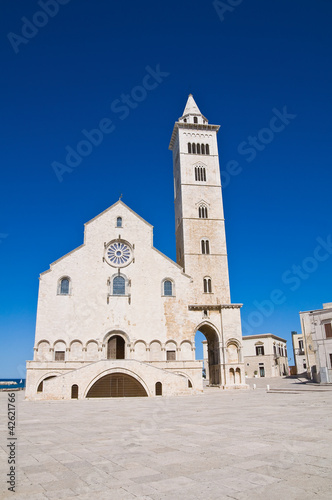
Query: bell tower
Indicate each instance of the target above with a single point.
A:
(199, 217)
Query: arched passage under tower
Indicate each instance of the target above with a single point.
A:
(209, 352)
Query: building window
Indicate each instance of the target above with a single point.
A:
(119, 285)
(207, 149)
(207, 284)
(189, 147)
(119, 222)
(170, 356)
(168, 287)
(198, 149)
(195, 119)
(194, 148)
(301, 346)
(185, 120)
(331, 361)
(328, 330)
(203, 212)
(304, 364)
(200, 174)
(159, 389)
(64, 286)
(275, 350)
(205, 247)
(203, 149)
(74, 391)
(59, 355)
(259, 350)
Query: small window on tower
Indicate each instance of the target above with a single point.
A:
(119, 222)
(203, 149)
(189, 147)
(207, 283)
(198, 149)
(185, 120)
(195, 119)
(207, 149)
(194, 148)
(205, 245)
(203, 212)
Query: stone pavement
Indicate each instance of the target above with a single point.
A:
(218, 445)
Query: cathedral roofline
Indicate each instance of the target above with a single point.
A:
(119, 202)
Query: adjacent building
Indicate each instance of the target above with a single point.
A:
(265, 355)
(116, 317)
(313, 347)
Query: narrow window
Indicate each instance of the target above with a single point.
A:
(203, 149)
(207, 149)
(198, 149)
(171, 356)
(189, 384)
(119, 222)
(196, 174)
(185, 120)
(195, 119)
(74, 391)
(194, 148)
(274, 350)
(328, 330)
(168, 287)
(59, 355)
(207, 285)
(189, 147)
(203, 175)
(119, 285)
(259, 350)
(330, 360)
(202, 212)
(205, 244)
(159, 389)
(64, 286)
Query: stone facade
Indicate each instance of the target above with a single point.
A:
(316, 344)
(265, 356)
(116, 314)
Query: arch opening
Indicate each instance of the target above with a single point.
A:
(116, 347)
(116, 385)
(209, 353)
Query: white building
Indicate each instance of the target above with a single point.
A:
(116, 317)
(265, 355)
(315, 344)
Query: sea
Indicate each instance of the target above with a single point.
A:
(16, 383)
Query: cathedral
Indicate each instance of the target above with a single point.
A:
(117, 318)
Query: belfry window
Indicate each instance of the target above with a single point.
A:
(119, 285)
(119, 222)
(198, 149)
(195, 119)
(189, 147)
(207, 149)
(207, 284)
(194, 148)
(203, 149)
(200, 174)
(203, 212)
(205, 247)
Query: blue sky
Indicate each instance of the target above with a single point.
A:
(244, 66)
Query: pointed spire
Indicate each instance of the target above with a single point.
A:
(192, 113)
(191, 107)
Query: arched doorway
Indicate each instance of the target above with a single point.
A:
(116, 347)
(212, 353)
(116, 385)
